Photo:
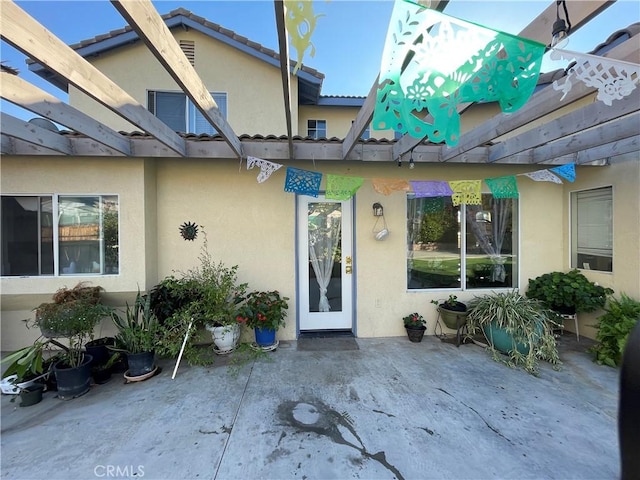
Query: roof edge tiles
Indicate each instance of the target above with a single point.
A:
(176, 18)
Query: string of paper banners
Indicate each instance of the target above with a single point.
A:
(343, 187)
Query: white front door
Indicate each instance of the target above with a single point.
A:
(325, 264)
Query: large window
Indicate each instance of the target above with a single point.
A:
(592, 229)
(68, 235)
(317, 128)
(444, 240)
(180, 114)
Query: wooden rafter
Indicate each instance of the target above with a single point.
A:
(29, 132)
(15, 90)
(576, 121)
(540, 104)
(283, 42)
(150, 27)
(27, 35)
(581, 11)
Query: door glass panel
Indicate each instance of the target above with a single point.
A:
(325, 265)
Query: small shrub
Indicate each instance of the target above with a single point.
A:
(614, 328)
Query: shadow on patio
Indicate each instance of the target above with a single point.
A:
(391, 409)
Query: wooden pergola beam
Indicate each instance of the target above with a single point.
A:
(27, 35)
(540, 104)
(576, 121)
(29, 132)
(580, 11)
(19, 92)
(283, 42)
(150, 27)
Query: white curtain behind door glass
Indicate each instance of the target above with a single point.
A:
(324, 236)
(490, 240)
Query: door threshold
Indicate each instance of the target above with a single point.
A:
(326, 333)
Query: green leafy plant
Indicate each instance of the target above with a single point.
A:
(571, 290)
(614, 327)
(217, 290)
(265, 310)
(138, 331)
(415, 320)
(74, 320)
(527, 320)
(451, 303)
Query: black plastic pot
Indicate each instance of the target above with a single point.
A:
(98, 350)
(140, 363)
(73, 381)
(101, 375)
(31, 395)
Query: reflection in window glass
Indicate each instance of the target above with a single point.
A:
(87, 235)
(440, 245)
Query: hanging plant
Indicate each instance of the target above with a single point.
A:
(189, 231)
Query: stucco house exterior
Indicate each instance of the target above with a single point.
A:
(431, 251)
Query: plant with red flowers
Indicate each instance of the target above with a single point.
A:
(264, 310)
(415, 320)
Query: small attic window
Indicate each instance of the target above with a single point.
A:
(189, 49)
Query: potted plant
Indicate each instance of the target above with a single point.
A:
(452, 312)
(614, 328)
(82, 293)
(568, 292)
(216, 295)
(137, 336)
(75, 320)
(415, 325)
(515, 325)
(102, 372)
(265, 312)
(26, 373)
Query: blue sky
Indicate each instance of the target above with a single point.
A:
(349, 37)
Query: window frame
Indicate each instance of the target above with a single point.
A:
(315, 129)
(516, 283)
(55, 199)
(191, 113)
(574, 229)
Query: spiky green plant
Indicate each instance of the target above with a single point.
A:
(525, 319)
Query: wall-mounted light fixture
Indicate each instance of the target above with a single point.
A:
(378, 212)
(411, 162)
(560, 30)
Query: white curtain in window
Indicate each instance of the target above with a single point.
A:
(490, 232)
(323, 243)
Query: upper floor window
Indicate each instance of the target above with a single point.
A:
(366, 135)
(592, 229)
(180, 114)
(59, 233)
(444, 240)
(317, 128)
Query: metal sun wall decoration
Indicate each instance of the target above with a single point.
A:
(433, 62)
(189, 231)
(614, 79)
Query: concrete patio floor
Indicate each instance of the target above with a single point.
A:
(391, 409)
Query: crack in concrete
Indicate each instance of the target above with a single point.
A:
(314, 416)
(489, 426)
(384, 413)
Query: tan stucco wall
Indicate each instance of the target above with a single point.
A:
(253, 226)
(624, 176)
(136, 70)
(42, 176)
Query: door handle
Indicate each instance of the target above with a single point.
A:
(347, 269)
(348, 260)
